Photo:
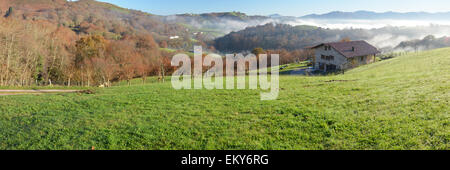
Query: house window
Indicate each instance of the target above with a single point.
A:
(362, 58)
(330, 58)
(321, 66)
(331, 67)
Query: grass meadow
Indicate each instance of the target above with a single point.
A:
(401, 103)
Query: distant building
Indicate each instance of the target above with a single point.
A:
(343, 55)
(174, 37)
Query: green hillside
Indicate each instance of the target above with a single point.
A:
(402, 103)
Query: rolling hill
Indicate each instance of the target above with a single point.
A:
(401, 103)
(427, 43)
(90, 17)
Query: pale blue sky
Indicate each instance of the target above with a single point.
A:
(283, 7)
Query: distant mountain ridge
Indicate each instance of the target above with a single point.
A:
(223, 15)
(384, 15)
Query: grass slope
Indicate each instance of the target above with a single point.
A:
(402, 103)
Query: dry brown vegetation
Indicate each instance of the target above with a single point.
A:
(39, 52)
(82, 43)
(90, 43)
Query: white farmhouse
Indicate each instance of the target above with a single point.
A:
(343, 55)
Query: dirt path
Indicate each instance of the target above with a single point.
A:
(298, 72)
(21, 92)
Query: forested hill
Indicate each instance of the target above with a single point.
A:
(283, 36)
(90, 17)
(87, 42)
(81, 42)
(427, 43)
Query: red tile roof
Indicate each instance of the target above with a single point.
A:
(361, 48)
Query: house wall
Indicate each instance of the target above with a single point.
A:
(339, 60)
(358, 61)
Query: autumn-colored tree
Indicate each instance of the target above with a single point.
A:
(346, 39)
(164, 67)
(143, 68)
(163, 44)
(88, 48)
(106, 69)
(70, 43)
(149, 50)
(129, 68)
(69, 72)
(126, 56)
(29, 52)
(258, 51)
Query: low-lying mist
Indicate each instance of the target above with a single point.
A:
(366, 24)
(384, 34)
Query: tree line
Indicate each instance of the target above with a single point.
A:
(41, 53)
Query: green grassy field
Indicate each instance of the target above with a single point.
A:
(401, 103)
